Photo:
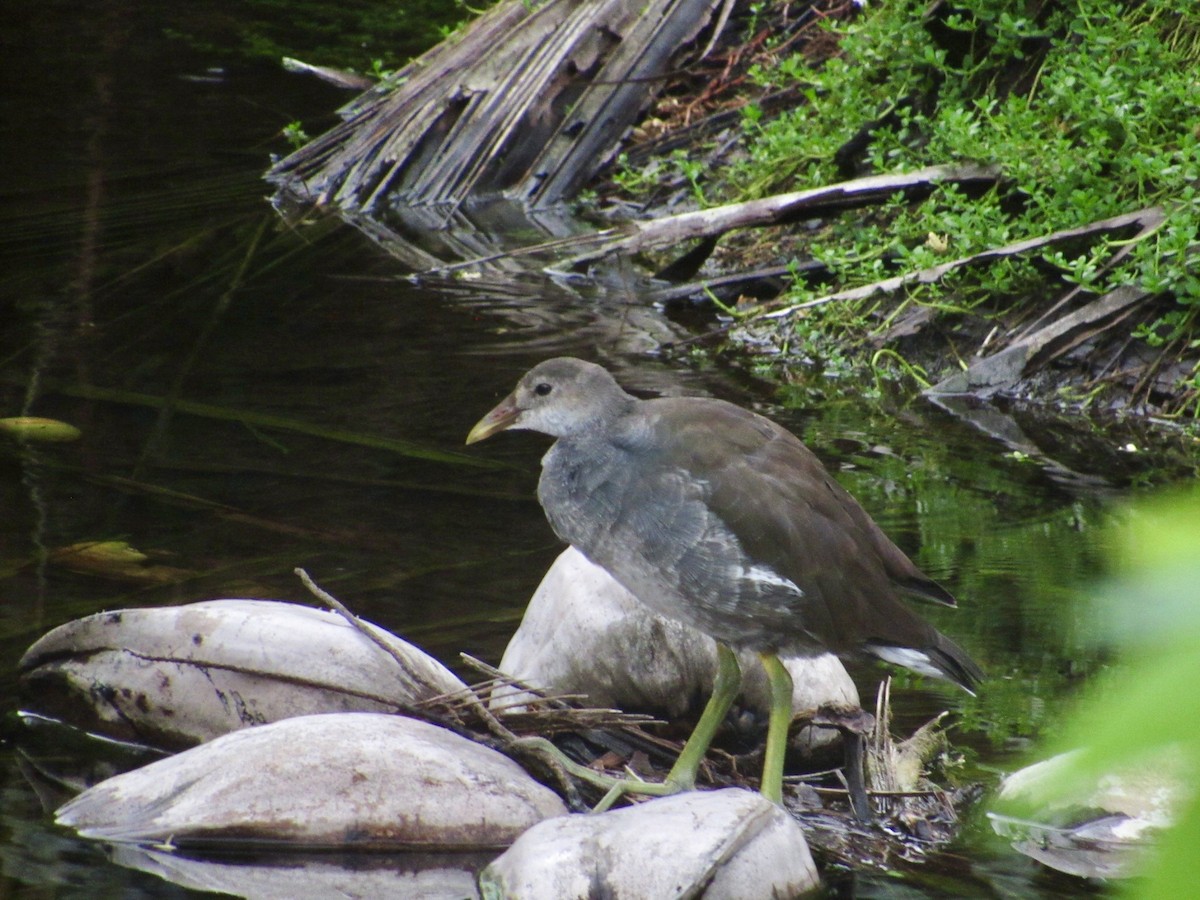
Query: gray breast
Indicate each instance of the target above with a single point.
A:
(650, 527)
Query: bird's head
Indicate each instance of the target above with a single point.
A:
(559, 397)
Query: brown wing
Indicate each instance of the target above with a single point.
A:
(790, 516)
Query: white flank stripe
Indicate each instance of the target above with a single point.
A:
(763, 575)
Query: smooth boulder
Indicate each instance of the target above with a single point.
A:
(731, 843)
(344, 780)
(177, 676)
(583, 633)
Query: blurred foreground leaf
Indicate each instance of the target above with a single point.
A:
(1148, 707)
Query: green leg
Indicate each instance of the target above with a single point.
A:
(682, 776)
(777, 727)
(725, 691)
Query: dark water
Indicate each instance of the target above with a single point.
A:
(140, 260)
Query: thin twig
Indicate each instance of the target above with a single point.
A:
(337, 606)
(506, 679)
(550, 756)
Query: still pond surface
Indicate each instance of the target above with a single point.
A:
(141, 261)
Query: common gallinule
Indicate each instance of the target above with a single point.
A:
(716, 516)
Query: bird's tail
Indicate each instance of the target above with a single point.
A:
(942, 658)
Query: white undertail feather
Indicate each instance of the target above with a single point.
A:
(916, 660)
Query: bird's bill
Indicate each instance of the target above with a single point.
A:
(503, 416)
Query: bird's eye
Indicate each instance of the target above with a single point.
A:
(543, 389)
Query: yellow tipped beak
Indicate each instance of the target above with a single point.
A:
(500, 418)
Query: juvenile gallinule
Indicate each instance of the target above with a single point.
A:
(716, 516)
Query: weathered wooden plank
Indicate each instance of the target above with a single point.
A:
(645, 53)
(1004, 369)
(528, 102)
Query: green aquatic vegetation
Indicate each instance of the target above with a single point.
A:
(294, 134)
(1090, 110)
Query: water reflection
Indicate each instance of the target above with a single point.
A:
(290, 876)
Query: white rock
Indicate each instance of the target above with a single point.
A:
(583, 633)
(353, 780)
(730, 843)
(176, 676)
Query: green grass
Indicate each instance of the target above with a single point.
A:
(1091, 111)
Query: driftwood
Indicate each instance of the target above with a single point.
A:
(1010, 365)
(528, 102)
(631, 238)
(337, 77)
(1037, 346)
(668, 231)
(1147, 219)
(1064, 333)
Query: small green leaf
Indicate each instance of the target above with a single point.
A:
(34, 428)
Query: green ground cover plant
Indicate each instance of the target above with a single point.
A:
(1091, 109)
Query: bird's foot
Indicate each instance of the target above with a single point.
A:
(615, 786)
(631, 784)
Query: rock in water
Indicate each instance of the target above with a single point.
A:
(345, 780)
(723, 844)
(176, 676)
